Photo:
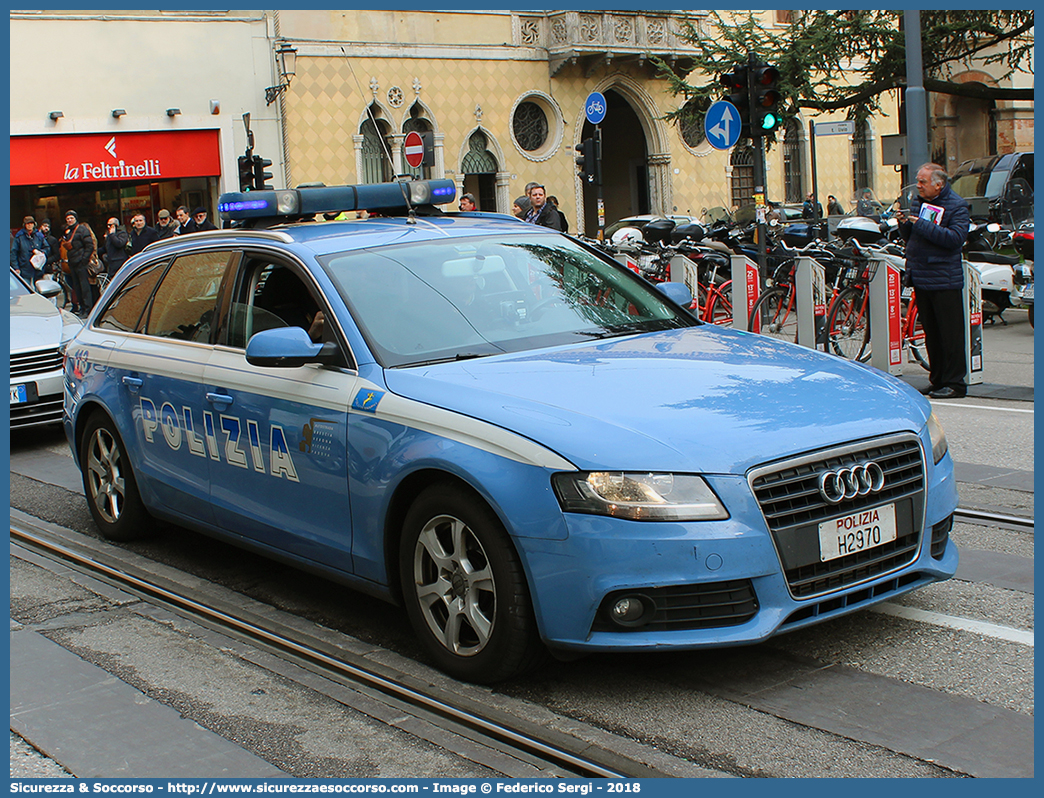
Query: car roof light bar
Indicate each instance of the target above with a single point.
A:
(293, 203)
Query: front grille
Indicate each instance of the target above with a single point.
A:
(48, 411)
(857, 597)
(940, 536)
(41, 361)
(788, 494)
(677, 607)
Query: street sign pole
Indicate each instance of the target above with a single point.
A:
(598, 172)
(760, 200)
(595, 109)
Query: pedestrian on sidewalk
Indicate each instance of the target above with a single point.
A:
(935, 231)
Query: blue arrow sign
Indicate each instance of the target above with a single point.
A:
(595, 108)
(722, 125)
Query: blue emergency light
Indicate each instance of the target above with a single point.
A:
(290, 203)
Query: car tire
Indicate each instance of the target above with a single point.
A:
(480, 629)
(109, 483)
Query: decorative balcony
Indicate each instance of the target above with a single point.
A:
(595, 39)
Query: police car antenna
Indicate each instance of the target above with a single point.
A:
(384, 145)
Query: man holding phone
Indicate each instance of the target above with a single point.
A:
(935, 230)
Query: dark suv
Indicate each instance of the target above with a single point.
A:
(999, 188)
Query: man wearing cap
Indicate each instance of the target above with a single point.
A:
(28, 242)
(164, 224)
(199, 218)
(140, 235)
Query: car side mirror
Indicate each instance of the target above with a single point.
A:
(678, 293)
(48, 288)
(288, 347)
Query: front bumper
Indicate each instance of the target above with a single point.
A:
(732, 563)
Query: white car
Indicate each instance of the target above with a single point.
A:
(38, 329)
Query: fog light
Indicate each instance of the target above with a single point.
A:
(630, 611)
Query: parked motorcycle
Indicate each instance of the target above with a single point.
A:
(1022, 240)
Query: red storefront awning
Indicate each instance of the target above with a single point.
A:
(97, 157)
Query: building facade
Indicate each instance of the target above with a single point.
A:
(500, 93)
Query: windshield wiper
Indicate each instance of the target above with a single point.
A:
(452, 359)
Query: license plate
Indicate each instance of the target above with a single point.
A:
(1027, 292)
(857, 532)
(18, 395)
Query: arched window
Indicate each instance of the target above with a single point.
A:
(376, 168)
(479, 166)
(690, 123)
(793, 163)
(418, 123)
(742, 176)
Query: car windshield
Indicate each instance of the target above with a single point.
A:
(452, 300)
(18, 287)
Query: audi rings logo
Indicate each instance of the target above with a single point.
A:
(848, 482)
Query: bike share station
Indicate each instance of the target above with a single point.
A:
(887, 339)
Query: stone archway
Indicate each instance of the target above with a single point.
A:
(965, 127)
(481, 171)
(636, 158)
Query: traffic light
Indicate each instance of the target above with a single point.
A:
(587, 160)
(246, 173)
(764, 101)
(737, 93)
(260, 175)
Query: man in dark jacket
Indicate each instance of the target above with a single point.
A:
(80, 244)
(543, 212)
(165, 225)
(200, 221)
(52, 266)
(115, 243)
(935, 231)
(141, 235)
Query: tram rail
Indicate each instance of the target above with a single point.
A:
(554, 753)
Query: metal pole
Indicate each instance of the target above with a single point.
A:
(598, 173)
(916, 97)
(759, 175)
(815, 182)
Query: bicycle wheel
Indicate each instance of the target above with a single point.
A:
(913, 333)
(776, 312)
(719, 310)
(848, 326)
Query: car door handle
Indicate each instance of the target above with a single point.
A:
(219, 398)
(133, 383)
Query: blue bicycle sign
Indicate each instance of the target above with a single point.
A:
(595, 107)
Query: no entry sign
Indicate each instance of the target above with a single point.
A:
(413, 149)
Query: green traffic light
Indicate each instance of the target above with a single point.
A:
(769, 122)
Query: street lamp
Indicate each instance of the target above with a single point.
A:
(286, 62)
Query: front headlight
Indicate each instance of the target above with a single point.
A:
(938, 437)
(638, 497)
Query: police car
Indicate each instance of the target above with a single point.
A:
(529, 446)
